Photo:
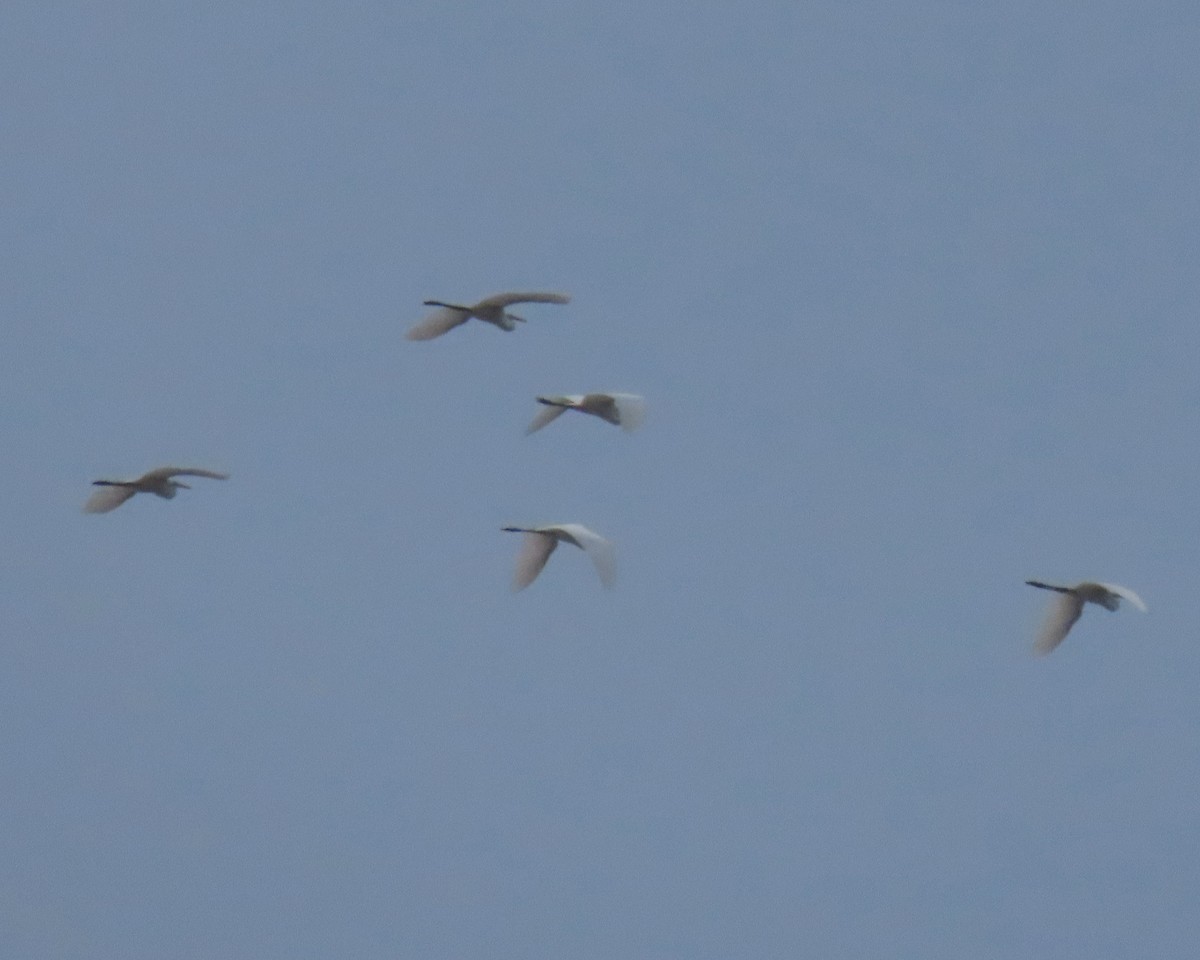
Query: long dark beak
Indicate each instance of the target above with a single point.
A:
(184, 485)
(1048, 586)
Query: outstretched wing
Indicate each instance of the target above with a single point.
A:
(1126, 594)
(602, 552)
(631, 410)
(508, 299)
(535, 551)
(165, 473)
(544, 416)
(105, 499)
(437, 323)
(1064, 611)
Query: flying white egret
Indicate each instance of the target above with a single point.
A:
(626, 410)
(160, 482)
(540, 542)
(1067, 608)
(489, 309)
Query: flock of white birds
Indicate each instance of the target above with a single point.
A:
(626, 410)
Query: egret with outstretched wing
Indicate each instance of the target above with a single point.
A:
(1068, 607)
(541, 541)
(160, 481)
(625, 410)
(489, 309)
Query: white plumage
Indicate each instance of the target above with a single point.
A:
(541, 541)
(159, 481)
(626, 410)
(489, 309)
(1068, 606)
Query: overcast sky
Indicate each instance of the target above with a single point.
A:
(910, 288)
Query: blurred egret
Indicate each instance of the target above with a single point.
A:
(1067, 608)
(540, 542)
(160, 482)
(626, 410)
(489, 309)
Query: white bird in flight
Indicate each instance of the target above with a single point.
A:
(1067, 608)
(540, 542)
(160, 482)
(489, 309)
(626, 410)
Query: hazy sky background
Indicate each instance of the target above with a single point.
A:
(911, 291)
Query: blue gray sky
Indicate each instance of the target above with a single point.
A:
(910, 288)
